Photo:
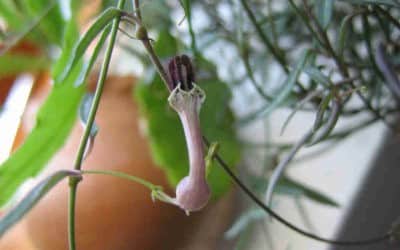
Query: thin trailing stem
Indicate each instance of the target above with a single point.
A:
(84, 140)
(279, 218)
(122, 175)
(187, 6)
(137, 9)
(157, 192)
(279, 170)
(142, 35)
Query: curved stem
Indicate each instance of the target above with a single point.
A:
(122, 175)
(279, 218)
(280, 169)
(143, 37)
(92, 114)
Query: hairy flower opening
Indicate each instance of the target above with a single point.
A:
(181, 72)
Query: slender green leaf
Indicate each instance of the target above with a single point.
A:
(30, 200)
(330, 124)
(243, 222)
(105, 4)
(93, 58)
(343, 33)
(316, 75)
(71, 37)
(310, 193)
(393, 3)
(324, 12)
(101, 22)
(52, 26)
(306, 99)
(321, 111)
(287, 186)
(288, 86)
(283, 165)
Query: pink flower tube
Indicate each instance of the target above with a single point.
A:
(186, 98)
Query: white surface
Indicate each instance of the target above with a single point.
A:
(336, 173)
(12, 112)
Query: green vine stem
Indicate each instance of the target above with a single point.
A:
(157, 192)
(92, 114)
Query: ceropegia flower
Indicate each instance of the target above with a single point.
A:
(186, 98)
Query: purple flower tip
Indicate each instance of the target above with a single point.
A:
(181, 71)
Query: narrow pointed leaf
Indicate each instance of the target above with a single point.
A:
(306, 99)
(288, 86)
(321, 111)
(30, 200)
(244, 221)
(79, 50)
(324, 12)
(393, 3)
(316, 75)
(330, 124)
(88, 66)
(308, 192)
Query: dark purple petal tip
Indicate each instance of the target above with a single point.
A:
(181, 71)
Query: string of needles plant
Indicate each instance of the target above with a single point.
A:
(340, 69)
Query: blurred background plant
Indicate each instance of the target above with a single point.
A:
(334, 62)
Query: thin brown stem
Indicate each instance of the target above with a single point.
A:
(137, 9)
